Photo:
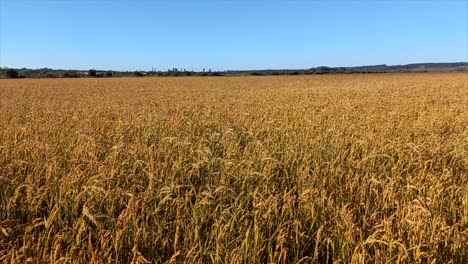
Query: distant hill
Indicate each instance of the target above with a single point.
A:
(383, 68)
(416, 67)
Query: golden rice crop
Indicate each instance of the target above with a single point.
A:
(279, 169)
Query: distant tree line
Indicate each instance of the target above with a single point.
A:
(9, 73)
(93, 73)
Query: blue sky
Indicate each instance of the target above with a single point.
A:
(221, 35)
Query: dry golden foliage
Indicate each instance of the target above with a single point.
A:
(286, 169)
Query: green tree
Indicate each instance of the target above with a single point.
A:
(138, 74)
(92, 73)
(70, 74)
(12, 73)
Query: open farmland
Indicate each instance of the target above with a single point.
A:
(278, 169)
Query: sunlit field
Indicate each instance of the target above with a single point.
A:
(365, 168)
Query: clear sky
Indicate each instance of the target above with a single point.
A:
(142, 34)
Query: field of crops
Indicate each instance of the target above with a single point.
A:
(278, 169)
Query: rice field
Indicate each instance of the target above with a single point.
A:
(252, 169)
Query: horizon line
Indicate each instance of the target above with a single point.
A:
(238, 70)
